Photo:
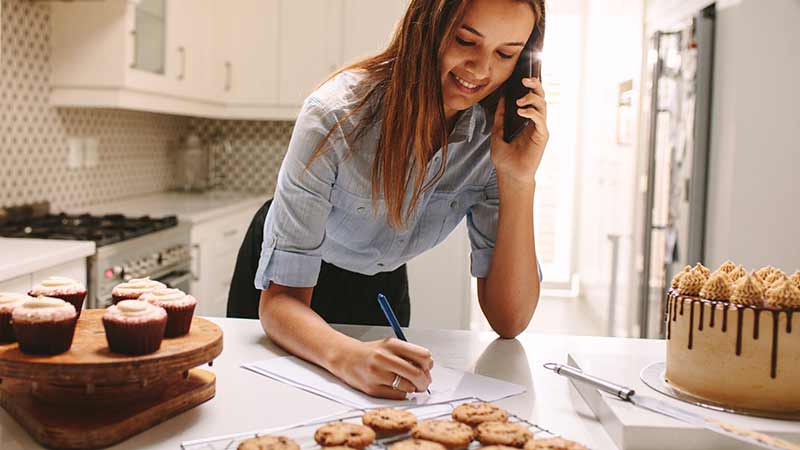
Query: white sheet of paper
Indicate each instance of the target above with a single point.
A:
(448, 384)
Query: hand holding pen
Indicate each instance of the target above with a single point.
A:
(398, 331)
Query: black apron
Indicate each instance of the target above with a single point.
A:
(340, 296)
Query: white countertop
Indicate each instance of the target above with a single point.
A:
(189, 207)
(24, 256)
(247, 402)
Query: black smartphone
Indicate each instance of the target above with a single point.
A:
(529, 65)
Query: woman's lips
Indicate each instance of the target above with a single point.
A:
(464, 85)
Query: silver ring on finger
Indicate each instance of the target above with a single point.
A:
(396, 383)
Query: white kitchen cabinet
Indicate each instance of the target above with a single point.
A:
(367, 37)
(19, 285)
(310, 46)
(96, 58)
(189, 47)
(75, 269)
(215, 245)
(238, 59)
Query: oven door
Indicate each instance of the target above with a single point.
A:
(178, 279)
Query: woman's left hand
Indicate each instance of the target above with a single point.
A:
(520, 159)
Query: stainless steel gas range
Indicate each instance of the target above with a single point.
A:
(127, 247)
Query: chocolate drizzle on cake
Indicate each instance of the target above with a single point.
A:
(713, 311)
(702, 308)
(725, 317)
(756, 320)
(691, 322)
(740, 312)
(774, 357)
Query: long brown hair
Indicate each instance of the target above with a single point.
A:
(409, 101)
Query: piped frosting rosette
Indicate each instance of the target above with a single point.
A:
(676, 280)
(783, 295)
(692, 282)
(718, 287)
(748, 291)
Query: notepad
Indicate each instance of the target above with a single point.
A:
(448, 384)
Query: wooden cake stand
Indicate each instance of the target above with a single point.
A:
(91, 398)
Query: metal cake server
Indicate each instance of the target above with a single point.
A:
(661, 407)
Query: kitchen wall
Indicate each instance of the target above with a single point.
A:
(136, 152)
(252, 157)
(753, 187)
(134, 147)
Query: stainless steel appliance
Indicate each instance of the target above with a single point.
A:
(127, 247)
(676, 101)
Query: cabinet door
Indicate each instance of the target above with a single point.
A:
(189, 47)
(73, 269)
(245, 51)
(369, 26)
(19, 285)
(310, 46)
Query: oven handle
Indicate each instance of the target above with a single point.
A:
(174, 281)
(195, 262)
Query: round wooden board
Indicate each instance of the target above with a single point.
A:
(89, 361)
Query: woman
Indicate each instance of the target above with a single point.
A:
(386, 158)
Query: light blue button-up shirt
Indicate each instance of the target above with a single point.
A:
(325, 212)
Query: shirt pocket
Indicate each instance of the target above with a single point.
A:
(353, 219)
(443, 213)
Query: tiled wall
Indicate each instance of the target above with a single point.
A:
(136, 149)
(250, 161)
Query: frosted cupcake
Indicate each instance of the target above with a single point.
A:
(8, 302)
(64, 288)
(135, 288)
(44, 325)
(179, 307)
(134, 327)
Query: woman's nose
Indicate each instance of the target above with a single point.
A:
(479, 67)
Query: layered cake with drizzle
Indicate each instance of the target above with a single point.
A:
(730, 338)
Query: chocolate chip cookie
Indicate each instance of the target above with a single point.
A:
(389, 421)
(553, 444)
(416, 444)
(269, 443)
(474, 414)
(503, 433)
(451, 434)
(344, 433)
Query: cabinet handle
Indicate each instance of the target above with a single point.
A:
(228, 70)
(135, 61)
(196, 258)
(182, 52)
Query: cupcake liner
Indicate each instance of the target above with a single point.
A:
(6, 329)
(132, 338)
(179, 319)
(45, 338)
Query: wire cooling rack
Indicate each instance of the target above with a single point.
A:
(303, 433)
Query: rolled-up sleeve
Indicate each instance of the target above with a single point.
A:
(482, 221)
(294, 228)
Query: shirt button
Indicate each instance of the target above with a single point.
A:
(402, 241)
(453, 204)
(380, 264)
(361, 210)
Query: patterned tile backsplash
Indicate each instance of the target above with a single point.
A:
(136, 153)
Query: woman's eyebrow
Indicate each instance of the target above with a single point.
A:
(478, 33)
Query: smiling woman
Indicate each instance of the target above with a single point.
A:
(386, 158)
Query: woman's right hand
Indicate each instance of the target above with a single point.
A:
(371, 367)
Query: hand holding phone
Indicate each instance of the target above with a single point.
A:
(528, 66)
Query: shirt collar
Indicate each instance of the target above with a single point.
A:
(465, 126)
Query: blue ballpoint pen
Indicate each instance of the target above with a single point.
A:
(389, 313)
